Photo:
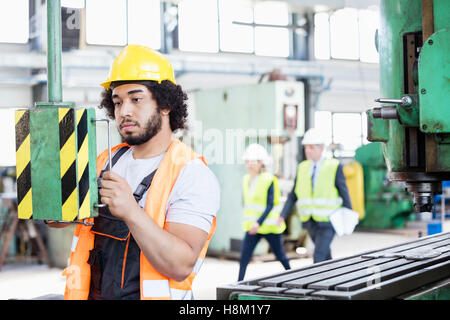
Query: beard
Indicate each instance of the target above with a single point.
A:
(151, 128)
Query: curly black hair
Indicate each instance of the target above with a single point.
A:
(168, 96)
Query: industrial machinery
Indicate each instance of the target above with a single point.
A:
(226, 121)
(386, 203)
(414, 270)
(56, 147)
(414, 121)
(413, 124)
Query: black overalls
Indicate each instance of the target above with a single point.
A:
(115, 258)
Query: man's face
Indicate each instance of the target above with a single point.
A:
(136, 112)
(313, 152)
(253, 166)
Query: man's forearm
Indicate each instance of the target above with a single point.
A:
(167, 253)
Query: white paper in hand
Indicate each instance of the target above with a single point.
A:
(344, 221)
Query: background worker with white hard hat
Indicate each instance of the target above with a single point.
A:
(320, 189)
(261, 197)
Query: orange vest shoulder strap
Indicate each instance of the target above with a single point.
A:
(78, 272)
(104, 156)
(177, 156)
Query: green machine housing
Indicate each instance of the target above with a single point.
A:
(56, 162)
(386, 204)
(413, 122)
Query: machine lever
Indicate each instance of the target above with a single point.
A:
(405, 101)
(101, 205)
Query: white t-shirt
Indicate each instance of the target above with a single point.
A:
(195, 197)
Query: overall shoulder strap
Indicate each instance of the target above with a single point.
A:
(115, 158)
(119, 153)
(143, 186)
(103, 157)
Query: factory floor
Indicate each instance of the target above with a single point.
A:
(31, 280)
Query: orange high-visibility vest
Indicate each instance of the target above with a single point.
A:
(153, 285)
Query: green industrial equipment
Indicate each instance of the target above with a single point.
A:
(226, 121)
(387, 204)
(55, 179)
(414, 121)
(56, 147)
(413, 125)
(415, 270)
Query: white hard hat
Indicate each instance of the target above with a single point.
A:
(314, 136)
(256, 152)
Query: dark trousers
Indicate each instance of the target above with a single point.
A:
(321, 233)
(248, 246)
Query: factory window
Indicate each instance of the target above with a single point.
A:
(346, 34)
(106, 22)
(198, 26)
(321, 36)
(369, 21)
(14, 22)
(259, 28)
(335, 126)
(118, 22)
(271, 41)
(324, 122)
(236, 30)
(144, 23)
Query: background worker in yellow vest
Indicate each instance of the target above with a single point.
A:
(162, 199)
(261, 197)
(319, 189)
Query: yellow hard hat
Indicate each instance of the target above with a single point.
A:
(136, 62)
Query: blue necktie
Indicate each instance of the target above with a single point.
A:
(313, 174)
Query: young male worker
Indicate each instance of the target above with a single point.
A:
(160, 198)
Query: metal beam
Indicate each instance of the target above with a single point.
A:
(54, 42)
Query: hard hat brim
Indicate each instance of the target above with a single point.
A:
(106, 85)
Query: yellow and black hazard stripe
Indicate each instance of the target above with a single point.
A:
(68, 164)
(84, 210)
(23, 164)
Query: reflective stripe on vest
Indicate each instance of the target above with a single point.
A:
(153, 285)
(154, 289)
(74, 243)
(255, 204)
(257, 207)
(319, 202)
(324, 199)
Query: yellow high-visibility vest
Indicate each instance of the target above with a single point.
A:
(255, 203)
(324, 199)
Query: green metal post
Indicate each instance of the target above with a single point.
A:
(54, 47)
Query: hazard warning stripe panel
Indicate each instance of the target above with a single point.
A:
(67, 141)
(23, 165)
(45, 163)
(84, 210)
(56, 163)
